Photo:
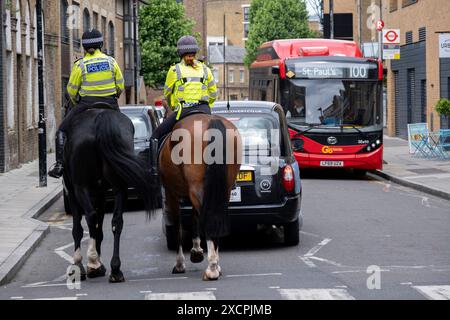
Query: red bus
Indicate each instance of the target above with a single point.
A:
(332, 97)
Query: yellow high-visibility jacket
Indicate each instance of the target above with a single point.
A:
(95, 75)
(186, 85)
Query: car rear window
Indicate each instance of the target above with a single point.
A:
(259, 133)
(141, 129)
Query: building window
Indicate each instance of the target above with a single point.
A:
(65, 36)
(406, 3)
(409, 37)
(9, 72)
(215, 73)
(86, 20)
(242, 76)
(95, 20)
(246, 9)
(423, 34)
(393, 5)
(111, 41)
(231, 76)
(75, 14)
(233, 97)
(18, 29)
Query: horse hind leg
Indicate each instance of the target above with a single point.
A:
(173, 206)
(117, 226)
(94, 266)
(196, 251)
(213, 272)
(77, 234)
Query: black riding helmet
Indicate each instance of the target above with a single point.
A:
(92, 39)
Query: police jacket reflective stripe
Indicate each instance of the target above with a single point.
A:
(96, 75)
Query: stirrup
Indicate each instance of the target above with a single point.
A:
(56, 171)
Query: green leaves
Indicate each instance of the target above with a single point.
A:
(443, 107)
(275, 19)
(161, 24)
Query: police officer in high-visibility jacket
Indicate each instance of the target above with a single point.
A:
(190, 87)
(95, 78)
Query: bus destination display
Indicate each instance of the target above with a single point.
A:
(332, 70)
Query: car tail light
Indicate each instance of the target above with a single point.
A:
(288, 178)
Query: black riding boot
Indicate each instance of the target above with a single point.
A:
(154, 156)
(57, 170)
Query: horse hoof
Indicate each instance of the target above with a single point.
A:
(95, 273)
(176, 270)
(209, 278)
(82, 271)
(196, 256)
(117, 277)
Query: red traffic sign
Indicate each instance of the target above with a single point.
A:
(380, 25)
(391, 36)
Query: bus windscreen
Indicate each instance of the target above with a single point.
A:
(333, 102)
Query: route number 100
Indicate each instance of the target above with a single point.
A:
(358, 72)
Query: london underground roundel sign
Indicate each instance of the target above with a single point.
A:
(391, 36)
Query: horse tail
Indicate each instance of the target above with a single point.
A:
(117, 151)
(214, 207)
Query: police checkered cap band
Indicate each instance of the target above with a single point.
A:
(187, 44)
(91, 41)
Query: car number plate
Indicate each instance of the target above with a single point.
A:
(235, 195)
(244, 176)
(331, 163)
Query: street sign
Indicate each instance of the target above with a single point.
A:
(391, 36)
(391, 44)
(380, 25)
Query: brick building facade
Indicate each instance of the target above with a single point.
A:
(64, 22)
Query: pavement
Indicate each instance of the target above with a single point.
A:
(22, 201)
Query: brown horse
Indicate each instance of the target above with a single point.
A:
(201, 166)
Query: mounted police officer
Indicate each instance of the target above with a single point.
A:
(95, 78)
(190, 88)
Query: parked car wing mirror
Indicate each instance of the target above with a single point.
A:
(297, 144)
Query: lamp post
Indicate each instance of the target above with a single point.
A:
(42, 138)
(225, 75)
(135, 50)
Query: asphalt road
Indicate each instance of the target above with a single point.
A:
(361, 239)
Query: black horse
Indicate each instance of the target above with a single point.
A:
(99, 155)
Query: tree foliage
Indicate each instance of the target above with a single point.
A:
(275, 19)
(443, 107)
(161, 24)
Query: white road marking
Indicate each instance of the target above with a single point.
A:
(274, 287)
(157, 279)
(200, 295)
(149, 291)
(315, 294)
(58, 298)
(344, 287)
(314, 250)
(310, 234)
(65, 256)
(434, 292)
(308, 262)
(406, 283)
(210, 289)
(254, 275)
(81, 294)
(334, 263)
(46, 285)
(17, 297)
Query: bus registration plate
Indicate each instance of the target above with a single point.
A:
(331, 163)
(235, 195)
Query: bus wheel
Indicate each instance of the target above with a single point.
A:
(359, 173)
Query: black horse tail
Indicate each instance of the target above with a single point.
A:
(117, 151)
(214, 208)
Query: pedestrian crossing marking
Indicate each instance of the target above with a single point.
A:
(315, 294)
(200, 295)
(434, 292)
